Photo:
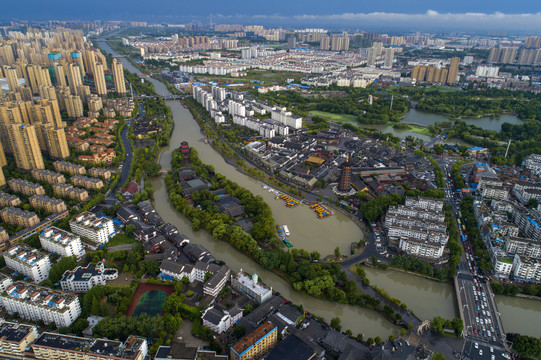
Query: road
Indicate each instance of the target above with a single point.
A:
(111, 199)
(483, 330)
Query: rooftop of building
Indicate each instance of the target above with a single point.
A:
(24, 183)
(86, 273)
(249, 282)
(40, 296)
(104, 347)
(25, 254)
(90, 220)
(292, 348)
(249, 340)
(60, 236)
(14, 332)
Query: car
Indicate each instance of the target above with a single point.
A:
(492, 357)
(480, 352)
(494, 338)
(476, 345)
(474, 330)
(488, 333)
(491, 349)
(488, 313)
(477, 319)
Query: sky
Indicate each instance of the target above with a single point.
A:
(410, 15)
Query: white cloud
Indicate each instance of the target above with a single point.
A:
(431, 19)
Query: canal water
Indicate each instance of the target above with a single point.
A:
(425, 297)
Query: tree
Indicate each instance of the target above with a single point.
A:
(336, 324)
(438, 356)
(402, 332)
(337, 252)
(378, 340)
(58, 269)
(239, 331)
(533, 203)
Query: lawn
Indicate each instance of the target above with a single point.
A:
(120, 239)
(419, 129)
(343, 118)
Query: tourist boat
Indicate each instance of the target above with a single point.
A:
(288, 244)
(280, 231)
(265, 187)
(286, 229)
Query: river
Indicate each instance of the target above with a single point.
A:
(425, 297)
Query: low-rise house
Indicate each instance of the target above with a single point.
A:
(219, 320)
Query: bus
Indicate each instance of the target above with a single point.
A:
(458, 221)
(459, 214)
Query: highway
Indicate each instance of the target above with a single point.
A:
(483, 331)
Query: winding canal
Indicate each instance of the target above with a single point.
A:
(425, 297)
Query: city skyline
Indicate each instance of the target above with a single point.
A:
(388, 14)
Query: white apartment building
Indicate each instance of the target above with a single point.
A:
(30, 262)
(532, 162)
(424, 203)
(5, 282)
(523, 246)
(399, 231)
(36, 303)
(82, 279)
(527, 268)
(421, 248)
(495, 192)
(61, 242)
(95, 229)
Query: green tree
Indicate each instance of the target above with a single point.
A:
(533, 203)
(377, 340)
(239, 331)
(58, 269)
(337, 252)
(438, 356)
(336, 323)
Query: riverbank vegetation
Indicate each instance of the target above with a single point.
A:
(305, 274)
(526, 346)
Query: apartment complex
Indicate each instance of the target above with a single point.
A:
(61, 242)
(105, 174)
(36, 303)
(255, 344)
(82, 279)
(25, 146)
(532, 162)
(15, 338)
(49, 204)
(118, 77)
(95, 229)
(30, 262)
(8, 200)
(16, 216)
(418, 227)
(26, 187)
(48, 176)
(70, 168)
(69, 191)
(52, 346)
(87, 182)
(251, 287)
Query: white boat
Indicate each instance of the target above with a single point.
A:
(265, 187)
(286, 229)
